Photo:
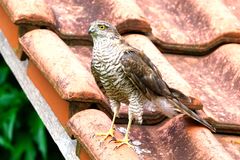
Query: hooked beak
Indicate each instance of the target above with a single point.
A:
(91, 30)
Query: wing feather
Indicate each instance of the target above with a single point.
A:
(143, 73)
(146, 77)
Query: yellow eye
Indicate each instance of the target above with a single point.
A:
(102, 27)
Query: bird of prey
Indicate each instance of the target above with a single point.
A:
(128, 76)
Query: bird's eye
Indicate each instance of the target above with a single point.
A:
(102, 27)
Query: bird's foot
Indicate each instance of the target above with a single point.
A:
(122, 142)
(106, 134)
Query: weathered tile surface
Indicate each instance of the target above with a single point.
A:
(60, 66)
(191, 27)
(216, 79)
(177, 138)
(233, 6)
(70, 19)
(84, 126)
(230, 143)
(29, 11)
(74, 17)
(175, 24)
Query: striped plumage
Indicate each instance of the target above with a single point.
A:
(128, 76)
(107, 67)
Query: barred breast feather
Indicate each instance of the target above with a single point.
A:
(106, 64)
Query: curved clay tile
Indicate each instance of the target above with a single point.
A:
(216, 79)
(191, 27)
(179, 138)
(71, 19)
(57, 62)
(29, 11)
(74, 17)
(84, 125)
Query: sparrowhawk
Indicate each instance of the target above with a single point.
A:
(128, 76)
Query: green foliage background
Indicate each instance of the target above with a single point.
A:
(22, 133)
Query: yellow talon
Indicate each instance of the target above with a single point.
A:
(122, 142)
(109, 133)
(125, 140)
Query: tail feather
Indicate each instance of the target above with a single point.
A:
(190, 113)
(179, 95)
(179, 102)
(190, 102)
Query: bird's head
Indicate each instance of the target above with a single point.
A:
(101, 29)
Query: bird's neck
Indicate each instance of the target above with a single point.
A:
(102, 42)
(105, 47)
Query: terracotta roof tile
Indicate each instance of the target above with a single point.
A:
(61, 67)
(85, 124)
(191, 26)
(72, 21)
(178, 138)
(31, 12)
(233, 6)
(217, 84)
(72, 18)
(230, 145)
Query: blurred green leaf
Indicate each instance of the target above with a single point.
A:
(24, 148)
(9, 126)
(6, 99)
(11, 97)
(7, 113)
(4, 71)
(5, 143)
(39, 134)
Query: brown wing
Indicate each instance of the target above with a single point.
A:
(143, 73)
